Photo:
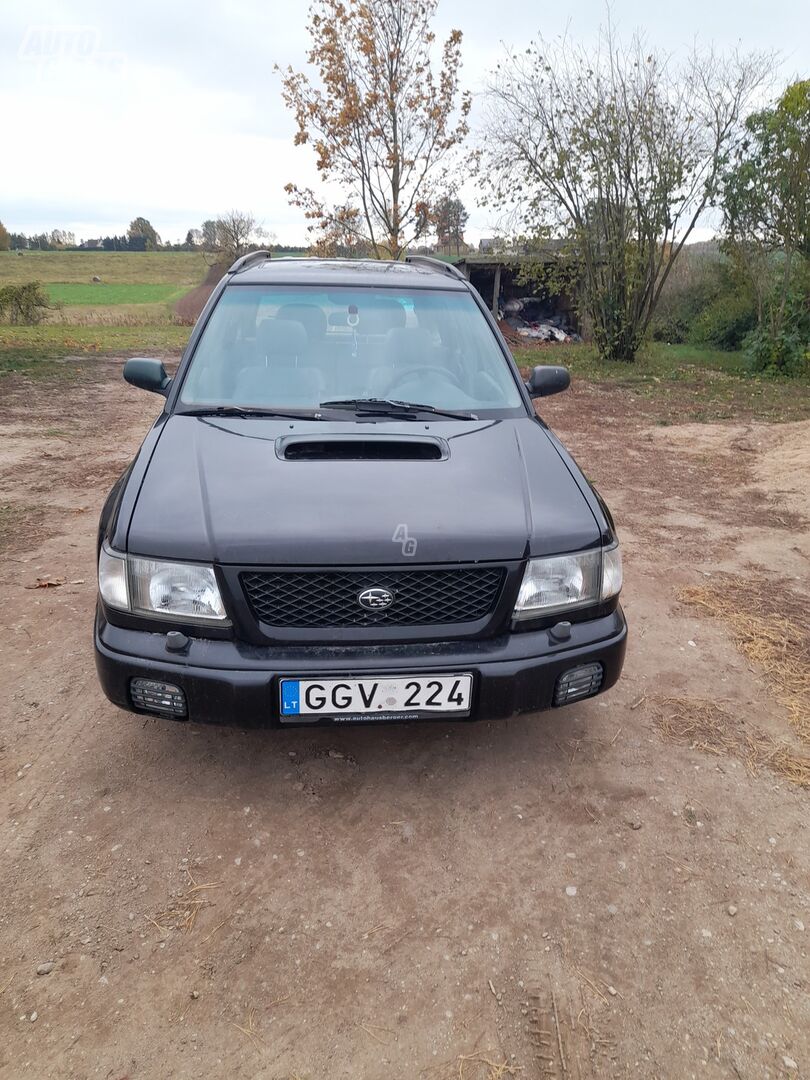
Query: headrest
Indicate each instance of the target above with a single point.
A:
(380, 316)
(281, 337)
(311, 317)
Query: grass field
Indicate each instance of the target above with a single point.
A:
(179, 268)
(697, 384)
(36, 351)
(100, 295)
(137, 289)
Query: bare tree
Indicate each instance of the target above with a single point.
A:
(236, 232)
(231, 235)
(618, 150)
(381, 123)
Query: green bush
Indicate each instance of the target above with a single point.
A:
(671, 327)
(23, 304)
(705, 304)
(681, 303)
(787, 353)
(725, 322)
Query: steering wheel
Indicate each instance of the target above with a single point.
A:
(432, 369)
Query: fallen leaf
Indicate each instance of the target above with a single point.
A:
(47, 583)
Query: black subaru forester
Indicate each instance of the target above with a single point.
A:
(348, 511)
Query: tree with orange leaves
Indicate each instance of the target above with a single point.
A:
(382, 124)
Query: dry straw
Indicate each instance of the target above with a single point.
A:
(771, 627)
(707, 726)
(182, 912)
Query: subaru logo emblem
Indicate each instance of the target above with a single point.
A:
(376, 599)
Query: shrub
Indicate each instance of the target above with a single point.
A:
(726, 321)
(672, 327)
(706, 303)
(787, 353)
(25, 303)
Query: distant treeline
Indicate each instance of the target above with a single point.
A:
(63, 241)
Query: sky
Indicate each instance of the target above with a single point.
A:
(171, 109)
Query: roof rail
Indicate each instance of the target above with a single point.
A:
(248, 260)
(436, 264)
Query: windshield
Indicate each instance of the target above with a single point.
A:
(293, 347)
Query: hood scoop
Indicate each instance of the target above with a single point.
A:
(361, 448)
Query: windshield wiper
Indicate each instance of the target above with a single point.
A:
(407, 410)
(248, 411)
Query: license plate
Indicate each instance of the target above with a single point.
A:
(402, 698)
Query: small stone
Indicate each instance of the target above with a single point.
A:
(336, 754)
(788, 1062)
(706, 933)
(46, 968)
(732, 909)
(692, 644)
(195, 994)
(570, 890)
(612, 991)
(799, 925)
(33, 1016)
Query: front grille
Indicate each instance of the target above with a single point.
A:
(330, 598)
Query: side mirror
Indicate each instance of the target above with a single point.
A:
(545, 380)
(147, 374)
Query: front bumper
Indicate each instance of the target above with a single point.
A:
(228, 682)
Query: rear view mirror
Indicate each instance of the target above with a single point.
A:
(545, 380)
(147, 374)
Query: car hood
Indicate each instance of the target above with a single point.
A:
(221, 490)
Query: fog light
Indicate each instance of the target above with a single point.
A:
(577, 683)
(162, 698)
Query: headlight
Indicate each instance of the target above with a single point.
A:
(561, 582)
(171, 590)
(611, 571)
(112, 579)
(176, 590)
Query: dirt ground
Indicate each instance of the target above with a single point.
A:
(565, 895)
